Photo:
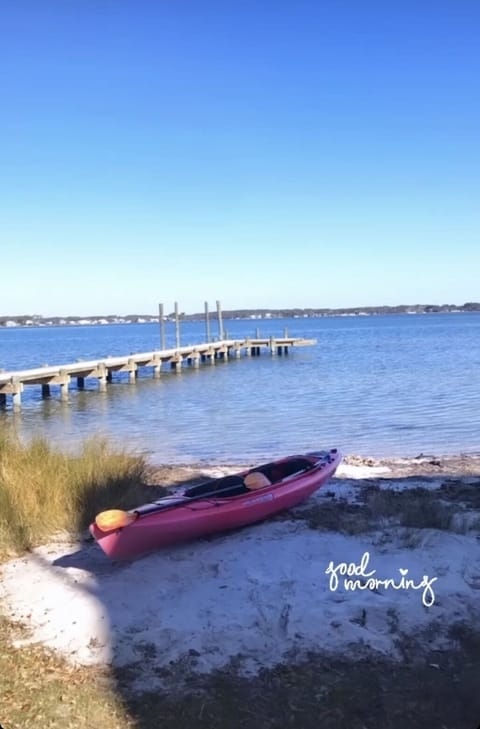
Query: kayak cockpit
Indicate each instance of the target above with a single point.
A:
(275, 472)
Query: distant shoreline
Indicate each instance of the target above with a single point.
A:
(26, 320)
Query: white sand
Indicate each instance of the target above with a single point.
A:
(261, 592)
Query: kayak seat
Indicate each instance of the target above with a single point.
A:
(276, 471)
(229, 486)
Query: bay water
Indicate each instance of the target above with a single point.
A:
(386, 385)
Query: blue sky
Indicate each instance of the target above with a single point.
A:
(267, 154)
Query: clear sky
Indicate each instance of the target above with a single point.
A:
(267, 153)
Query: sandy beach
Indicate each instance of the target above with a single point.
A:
(381, 566)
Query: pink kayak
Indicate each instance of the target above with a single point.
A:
(215, 506)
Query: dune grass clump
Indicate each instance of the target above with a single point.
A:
(44, 490)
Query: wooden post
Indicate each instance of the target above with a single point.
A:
(157, 363)
(64, 385)
(45, 390)
(102, 377)
(132, 371)
(220, 321)
(285, 333)
(272, 346)
(207, 323)
(177, 326)
(162, 326)
(176, 364)
(17, 388)
(3, 400)
(257, 333)
(81, 383)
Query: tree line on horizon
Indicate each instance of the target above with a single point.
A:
(35, 320)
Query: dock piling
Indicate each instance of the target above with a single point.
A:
(132, 371)
(207, 323)
(64, 381)
(177, 326)
(220, 321)
(157, 364)
(17, 388)
(161, 318)
(102, 377)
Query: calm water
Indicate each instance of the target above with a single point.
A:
(386, 385)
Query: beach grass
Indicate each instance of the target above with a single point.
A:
(44, 490)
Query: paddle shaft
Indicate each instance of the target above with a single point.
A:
(181, 501)
(153, 508)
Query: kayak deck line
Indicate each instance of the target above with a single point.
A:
(13, 382)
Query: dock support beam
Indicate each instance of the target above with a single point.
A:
(3, 401)
(45, 390)
(81, 383)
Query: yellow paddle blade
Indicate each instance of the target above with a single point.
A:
(114, 519)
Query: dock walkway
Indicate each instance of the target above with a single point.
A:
(13, 383)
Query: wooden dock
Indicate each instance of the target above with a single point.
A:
(13, 383)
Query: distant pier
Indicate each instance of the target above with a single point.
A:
(13, 383)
